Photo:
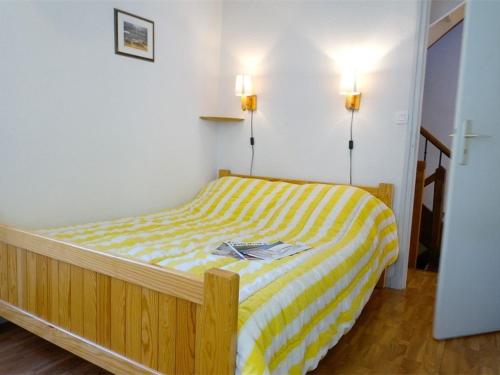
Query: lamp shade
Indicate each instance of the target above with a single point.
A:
(243, 86)
(348, 83)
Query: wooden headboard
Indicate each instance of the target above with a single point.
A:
(383, 191)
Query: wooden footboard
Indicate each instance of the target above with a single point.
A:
(122, 315)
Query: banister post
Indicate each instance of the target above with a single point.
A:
(437, 207)
(417, 214)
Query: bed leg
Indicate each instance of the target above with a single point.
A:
(381, 281)
(217, 324)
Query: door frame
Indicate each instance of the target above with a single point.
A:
(398, 273)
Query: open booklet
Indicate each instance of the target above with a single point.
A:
(259, 250)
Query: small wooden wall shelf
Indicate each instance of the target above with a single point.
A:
(221, 118)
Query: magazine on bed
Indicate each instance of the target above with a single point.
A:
(259, 250)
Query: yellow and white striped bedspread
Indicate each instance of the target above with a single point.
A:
(291, 310)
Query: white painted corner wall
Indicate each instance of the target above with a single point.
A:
(88, 135)
(301, 127)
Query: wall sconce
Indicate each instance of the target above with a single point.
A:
(244, 88)
(349, 88)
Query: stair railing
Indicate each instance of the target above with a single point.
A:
(442, 148)
(438, 178)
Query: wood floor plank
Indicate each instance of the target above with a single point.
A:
(394, 335)
(24, 353)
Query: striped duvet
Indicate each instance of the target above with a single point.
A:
(291, 310)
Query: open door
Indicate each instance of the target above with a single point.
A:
(468, 296)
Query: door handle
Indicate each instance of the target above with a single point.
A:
(464, 134)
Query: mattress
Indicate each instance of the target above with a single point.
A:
(291, 310)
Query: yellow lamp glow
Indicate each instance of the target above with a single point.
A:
(349, 88)
(244, 88)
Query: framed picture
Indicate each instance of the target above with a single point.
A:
(134, 36)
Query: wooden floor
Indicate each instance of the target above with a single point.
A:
(393, 335)
(24, 353)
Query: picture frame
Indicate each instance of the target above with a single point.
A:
(134, 36)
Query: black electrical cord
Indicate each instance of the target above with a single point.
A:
(252, 142)
(351, 146)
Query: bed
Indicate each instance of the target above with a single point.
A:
(146, 295)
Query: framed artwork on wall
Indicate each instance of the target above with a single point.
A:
(134, 36)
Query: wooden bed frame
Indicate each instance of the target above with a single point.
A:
(122, 315)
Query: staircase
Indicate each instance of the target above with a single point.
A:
(427, 223)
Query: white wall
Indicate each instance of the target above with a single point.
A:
(440, 92)
(88, 135)
(293, 51)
